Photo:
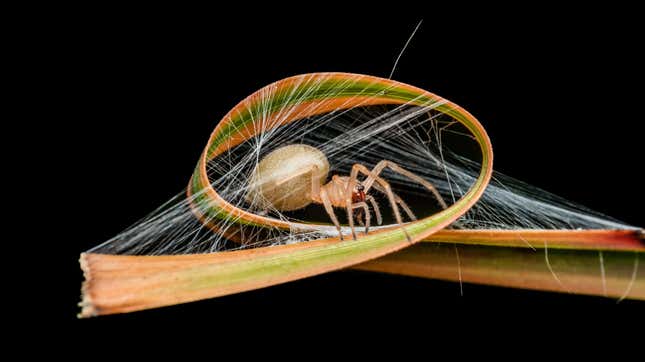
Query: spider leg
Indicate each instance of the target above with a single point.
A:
(399, 200)
(384, 184)
(377, 211)
(330, 211)
(359, 219)
(349, 187)
(400, 170)
(366, 210)
(350, 216)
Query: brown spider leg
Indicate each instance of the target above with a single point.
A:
(319, 192)
(388, 191)
(359, 218)
(360, 221)
(367, 213)
(400, 170)
(349, 188)
(377, 211)
(330, 211)
(398, 199)
(350, 216)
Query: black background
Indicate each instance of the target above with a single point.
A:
(559, 93)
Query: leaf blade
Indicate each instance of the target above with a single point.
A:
(567, 270)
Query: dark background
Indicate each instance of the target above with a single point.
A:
(559, 93)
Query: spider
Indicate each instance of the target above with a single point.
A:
(292, 177)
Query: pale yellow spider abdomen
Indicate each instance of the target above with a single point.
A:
(283, 178)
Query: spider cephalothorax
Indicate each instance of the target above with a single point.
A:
(292, 177)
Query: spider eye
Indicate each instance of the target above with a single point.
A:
(360, 187)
